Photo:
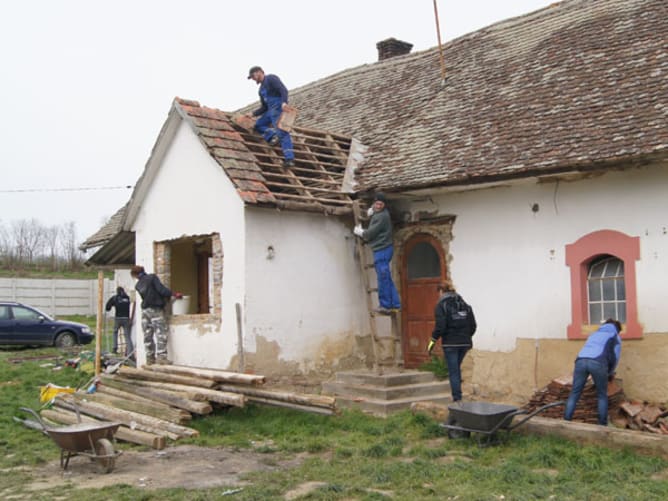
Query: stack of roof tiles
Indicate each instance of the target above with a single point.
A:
(586, 410)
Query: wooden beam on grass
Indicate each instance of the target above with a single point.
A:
(215, 375)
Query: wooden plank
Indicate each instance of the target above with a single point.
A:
(119, 382)
(164, 398)
(312, 207)
(309, 188)
(313, 199)
(131, 419)
(154, 375)
(150, 408)
(114, 386)
(304, 408)
(195, 393)
(318, 179)
(215, 375)
(297, 398)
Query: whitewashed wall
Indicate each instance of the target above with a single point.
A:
(509, 261)
(308, 292)
(191, 195)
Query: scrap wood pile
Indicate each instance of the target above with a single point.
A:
(586, 410)
(157, 402)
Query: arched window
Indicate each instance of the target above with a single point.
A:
(606, 290)
(603, 282)
(423, 262)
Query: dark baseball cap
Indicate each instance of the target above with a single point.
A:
(253, 70)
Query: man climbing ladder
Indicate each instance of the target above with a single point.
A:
(379, 237)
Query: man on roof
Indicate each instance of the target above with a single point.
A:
(273, 98)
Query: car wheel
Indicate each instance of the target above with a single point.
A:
(66, 340)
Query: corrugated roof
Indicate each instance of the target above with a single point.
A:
(572, 85)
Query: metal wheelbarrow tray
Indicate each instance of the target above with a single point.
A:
(486, 419)
(94, 440)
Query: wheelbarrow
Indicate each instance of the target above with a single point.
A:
(486, 419)
(93, 440)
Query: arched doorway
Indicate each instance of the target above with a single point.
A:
(423, 267)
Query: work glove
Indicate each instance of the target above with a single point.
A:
(358, 230)
(430, 346)
(370, 211)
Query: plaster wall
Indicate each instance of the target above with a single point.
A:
(305, 304)
(191, 195)
(507, 257)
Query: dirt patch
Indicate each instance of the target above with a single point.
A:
(185, 466)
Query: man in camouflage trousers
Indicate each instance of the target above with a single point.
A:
(155, 297)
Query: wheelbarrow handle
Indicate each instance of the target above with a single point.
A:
(536, 411)
(36, 416)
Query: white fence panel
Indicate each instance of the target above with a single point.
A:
(56, 296)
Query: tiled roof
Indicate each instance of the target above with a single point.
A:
(579, 84)
(255, 167)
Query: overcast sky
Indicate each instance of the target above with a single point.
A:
(86, 84)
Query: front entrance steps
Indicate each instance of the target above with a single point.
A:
(381, 395)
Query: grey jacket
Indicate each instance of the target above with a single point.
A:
(379, 232)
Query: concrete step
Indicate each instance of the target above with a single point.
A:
(387, 379)
(338, 388)
(384, 408)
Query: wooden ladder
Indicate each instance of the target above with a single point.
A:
(367, 267)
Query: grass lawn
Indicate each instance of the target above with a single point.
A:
(354, 456)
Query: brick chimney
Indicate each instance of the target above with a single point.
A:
(392, 47)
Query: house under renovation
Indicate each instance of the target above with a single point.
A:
(533, 175)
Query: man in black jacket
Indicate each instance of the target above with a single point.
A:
(455, 326)
(155, 297)
(121, 304)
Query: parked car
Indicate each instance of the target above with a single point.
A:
(21, 324)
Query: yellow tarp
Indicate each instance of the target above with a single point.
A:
(48, 392)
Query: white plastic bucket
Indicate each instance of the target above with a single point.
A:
(181, 306)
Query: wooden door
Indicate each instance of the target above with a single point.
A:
(423, 268)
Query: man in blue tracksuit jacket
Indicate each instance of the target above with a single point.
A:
(599, 357)
(273, 97)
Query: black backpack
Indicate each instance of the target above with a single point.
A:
(459, 315)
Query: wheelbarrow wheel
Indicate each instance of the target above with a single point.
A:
(453, 434)
(104, 451)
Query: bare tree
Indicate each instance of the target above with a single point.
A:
(51, 237)
(69, 245)
(28, 242)
(5, 246)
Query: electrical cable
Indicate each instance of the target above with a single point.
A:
(93, 188)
